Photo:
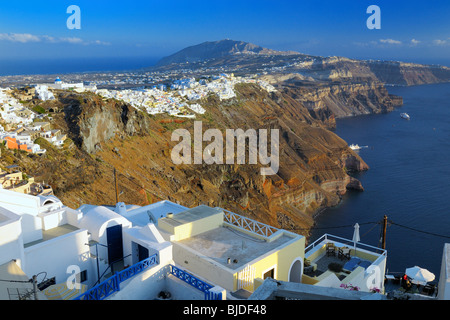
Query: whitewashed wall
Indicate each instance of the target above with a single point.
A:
(56, 255)
(11, 241)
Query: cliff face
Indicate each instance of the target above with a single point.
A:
(346, 99)
(313, 161)
(363, 71)
(409, 74)
(89, 120)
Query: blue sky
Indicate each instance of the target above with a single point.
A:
(410, 30)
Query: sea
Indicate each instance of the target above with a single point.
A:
(408, 180)
(73, 65)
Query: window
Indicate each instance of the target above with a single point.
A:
(82, 276)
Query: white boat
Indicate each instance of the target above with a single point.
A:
(357, 147)
(405, 116)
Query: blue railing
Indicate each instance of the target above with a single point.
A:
(213, 295)
(112, 284)
(196, 283)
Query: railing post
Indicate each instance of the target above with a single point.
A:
(117, 282)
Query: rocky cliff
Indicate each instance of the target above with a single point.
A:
(400, 73)
(338, 100)
(108, 134)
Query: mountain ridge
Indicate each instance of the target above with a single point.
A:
(216, 49)
(247, 58)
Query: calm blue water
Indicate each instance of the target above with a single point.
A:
(408, 180)
(74, 65)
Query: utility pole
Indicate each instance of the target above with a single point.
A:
(116, 185)
(35, 289)
(383, 243)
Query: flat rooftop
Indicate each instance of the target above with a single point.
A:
(225, 242)
(191, 215)
(6, 215)
(3, 218)
(53, 233)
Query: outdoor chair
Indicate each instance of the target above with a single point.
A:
(344, 253)
(331, 249)
(429, 289)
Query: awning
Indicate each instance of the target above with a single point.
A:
(15, 284)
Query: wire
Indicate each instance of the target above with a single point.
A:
(20, 281)
(335, 227)
(369, 230)
(421, 231)
(132, 180)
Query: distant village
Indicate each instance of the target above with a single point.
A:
(180, 98)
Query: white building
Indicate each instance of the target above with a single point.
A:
(60, 85)
(39, 234)
(444, 278)
(43, 93)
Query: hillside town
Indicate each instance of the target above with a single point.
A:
(180, 98)
(163, 250)
(20, 126)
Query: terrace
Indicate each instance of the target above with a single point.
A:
(53, 233)
(340, 262)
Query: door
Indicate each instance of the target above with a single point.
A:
(142, 252)
(115, 245)
(269, 274)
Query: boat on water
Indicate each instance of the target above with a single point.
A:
(405, 116)
(357, 147)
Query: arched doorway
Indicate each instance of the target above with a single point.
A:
(296, 270)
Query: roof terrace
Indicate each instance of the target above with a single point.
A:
(232, 248)
(350, 262)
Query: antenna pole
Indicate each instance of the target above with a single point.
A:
(116, 185)
(383, 245)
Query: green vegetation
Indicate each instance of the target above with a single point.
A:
(39, 109)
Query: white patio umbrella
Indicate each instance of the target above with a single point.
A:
(420, 275)
(356, 235)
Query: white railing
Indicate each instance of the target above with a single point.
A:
(246, 277)
(249, 224)
(328, 237)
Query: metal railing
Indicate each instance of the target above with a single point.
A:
(112, 284)
(329, 237)
(249, 224)
(196, 283)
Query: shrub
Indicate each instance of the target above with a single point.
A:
(335, 267)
